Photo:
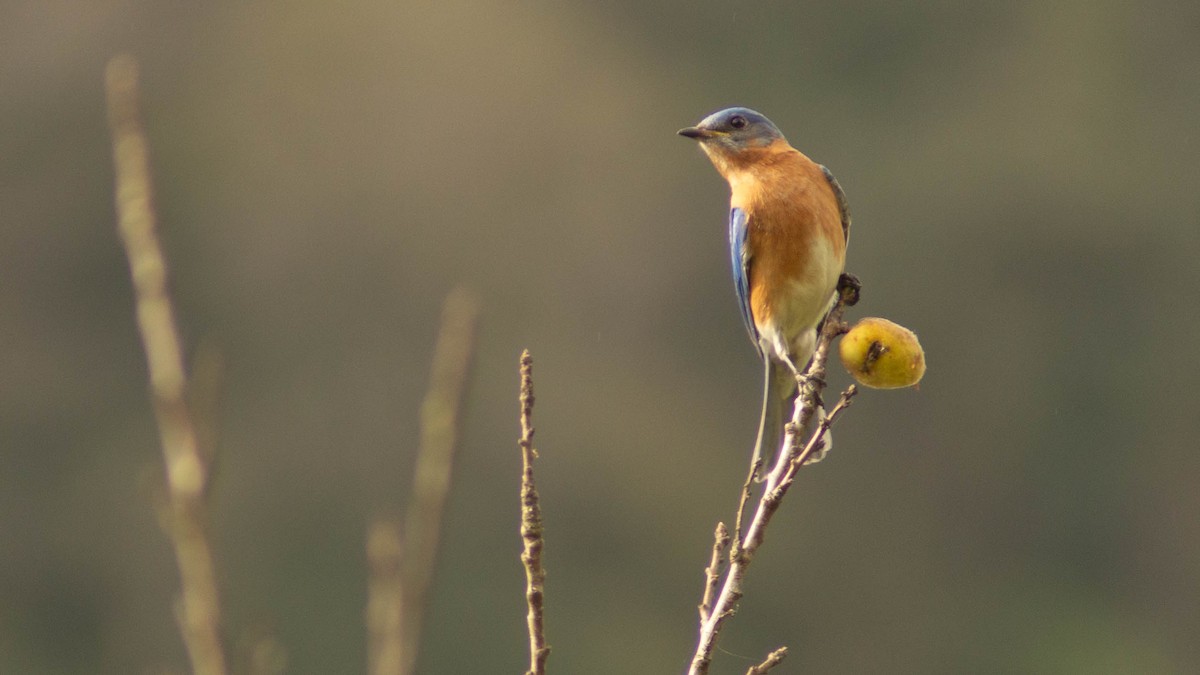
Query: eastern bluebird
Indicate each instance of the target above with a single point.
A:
(788, 228)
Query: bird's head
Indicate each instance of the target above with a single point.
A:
(734, 129)
(735, 137)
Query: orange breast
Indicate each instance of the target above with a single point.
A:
(795, 239)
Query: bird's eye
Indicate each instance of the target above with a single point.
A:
(737, 122)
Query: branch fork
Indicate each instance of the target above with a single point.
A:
(722, 595)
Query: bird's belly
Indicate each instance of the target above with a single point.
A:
(787, 308)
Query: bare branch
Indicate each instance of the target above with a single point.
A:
(778, 480)
(402, 567)
(747, 489)
(712, 573)
(531, 528)
(187, 471)
(817, 438)
(385, 599)
(773, 659)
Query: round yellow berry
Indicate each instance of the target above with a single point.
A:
(882, 354)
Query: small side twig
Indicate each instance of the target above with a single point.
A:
(402, 566)
(743, 500)
(816, 439)
(187, 471)
(531, 528)
(712, 573)
(385, 598)
(812, 383)
(773, 659)
(778, 481)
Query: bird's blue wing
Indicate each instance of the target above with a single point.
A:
(843, 207)
(738, 225)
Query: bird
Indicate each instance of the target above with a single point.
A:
(789, 225)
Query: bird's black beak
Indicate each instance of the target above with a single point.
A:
(695, 132)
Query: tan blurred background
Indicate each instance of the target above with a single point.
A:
(1024, 185)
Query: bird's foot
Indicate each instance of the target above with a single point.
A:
(804, 379)
(849, 288)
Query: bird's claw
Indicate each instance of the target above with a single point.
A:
(848, 289)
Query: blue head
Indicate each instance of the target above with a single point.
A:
(733, 130)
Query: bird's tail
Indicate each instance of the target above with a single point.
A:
(779, 387)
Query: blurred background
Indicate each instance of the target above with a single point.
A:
(1025, 195)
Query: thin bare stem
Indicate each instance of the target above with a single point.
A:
(531, 528)
(385, 599)
(778, 480)
(399, 589)
(712, 573)
(773, 659)
(817, 438)
(187, 472)
(743, 500)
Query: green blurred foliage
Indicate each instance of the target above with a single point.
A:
(1024, 186)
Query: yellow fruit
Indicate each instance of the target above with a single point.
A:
(882, 354)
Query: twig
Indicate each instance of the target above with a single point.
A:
(385, 599)
(808, 399)
(773, 659)
(780, 478)
(531, 528)
(747, 488)
(817, 438)
(187, 472)
(395, 613)
(712, 573)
